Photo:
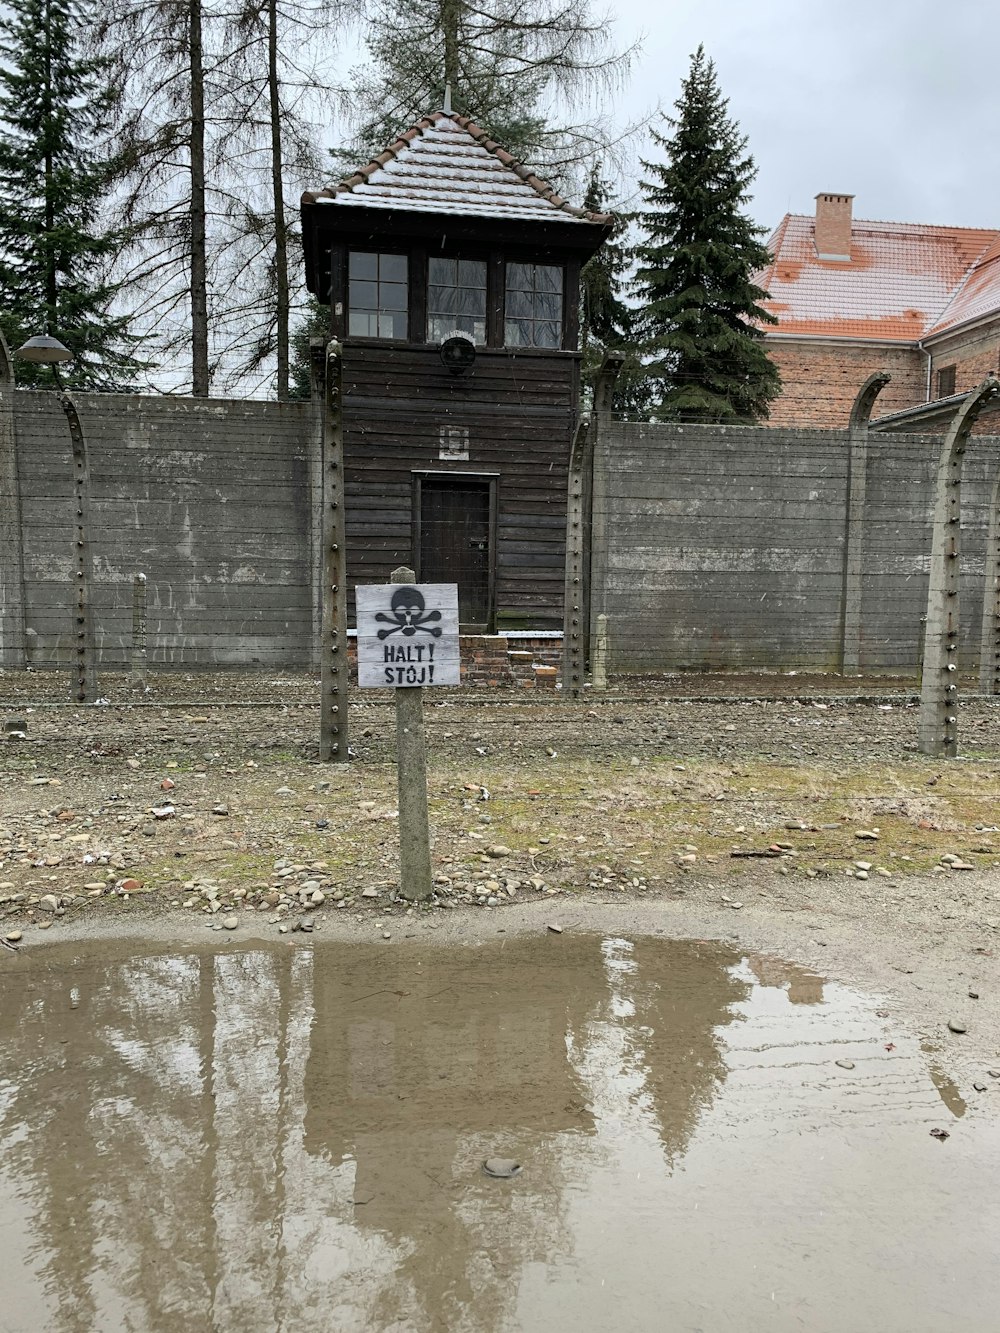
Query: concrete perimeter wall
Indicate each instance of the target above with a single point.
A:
(719, 547)
(210, 499)
(712, 547)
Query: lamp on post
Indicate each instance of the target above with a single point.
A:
(48, 351)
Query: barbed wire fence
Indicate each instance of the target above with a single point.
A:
(711, 548)
(724, 548)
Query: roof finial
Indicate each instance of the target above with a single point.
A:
(447, 99)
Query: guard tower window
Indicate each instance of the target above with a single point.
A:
(946, 381)
(456, 299)
(534, 305)
(377, 295)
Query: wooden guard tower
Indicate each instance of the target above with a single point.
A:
(452, 276)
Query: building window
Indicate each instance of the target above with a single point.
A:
(456, 299)
(534, 305)
(377, 295)
(946, 381)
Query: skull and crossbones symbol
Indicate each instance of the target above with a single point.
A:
(409, 614)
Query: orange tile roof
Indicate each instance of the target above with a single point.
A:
(978, 295)
(905, 281)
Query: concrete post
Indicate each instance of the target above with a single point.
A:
(852, 628)
(314, 490)
(411, 772)
(575, 597)
(938, 729)
(598, 518)
(600, 669)
(989, 655)
(333, 737)
(85, 652)
(137, 656)
(12, 641)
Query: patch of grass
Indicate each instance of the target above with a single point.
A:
(654, 811)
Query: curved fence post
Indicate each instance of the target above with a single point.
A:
(857, 480)
(591, 537)
(84, 649)
(333, 734)
(576, 595)
(989, 664)
(938, 729)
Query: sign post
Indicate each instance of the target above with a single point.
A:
(408, 639)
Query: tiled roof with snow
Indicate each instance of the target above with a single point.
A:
(978, 295)
(447, 164)
(904, 281)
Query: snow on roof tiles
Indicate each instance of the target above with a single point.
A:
(447, 164)
(904, 281)
(978, 295)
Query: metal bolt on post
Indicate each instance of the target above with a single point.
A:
(333, 739)
(85, 652)
(939, 694)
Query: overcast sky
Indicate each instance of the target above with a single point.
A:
(893, 101)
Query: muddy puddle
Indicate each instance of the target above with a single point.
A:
(293, 1138)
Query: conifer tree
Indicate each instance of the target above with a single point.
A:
(607, 322)
(515, 67)
(273, 70)
(217, 134)
(701, 341)
(604, 316)
(54, 254)
(314, 324)
(165, 137)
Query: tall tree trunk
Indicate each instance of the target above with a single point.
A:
(278, 196)
(51, 284)
(199, 272)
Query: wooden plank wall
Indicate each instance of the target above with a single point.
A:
(519, 411)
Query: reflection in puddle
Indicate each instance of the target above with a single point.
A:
(947, 1087)
(292, 1139)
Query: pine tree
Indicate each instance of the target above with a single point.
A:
(314, 324)
(607, 322)
(54, 255)
(506, 62)
(701, 311)
(604, 316)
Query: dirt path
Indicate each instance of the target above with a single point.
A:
(622, 813)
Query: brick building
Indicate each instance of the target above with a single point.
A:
(853, 297)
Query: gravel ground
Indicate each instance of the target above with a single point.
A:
(171, 817)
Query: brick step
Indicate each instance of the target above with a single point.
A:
(487, 660)
(532, 669)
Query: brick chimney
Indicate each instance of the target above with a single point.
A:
(833, 226)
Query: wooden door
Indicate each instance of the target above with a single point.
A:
(456, 542)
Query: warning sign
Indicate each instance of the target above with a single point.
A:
(408, 634)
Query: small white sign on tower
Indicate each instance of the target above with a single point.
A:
(408, 635)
